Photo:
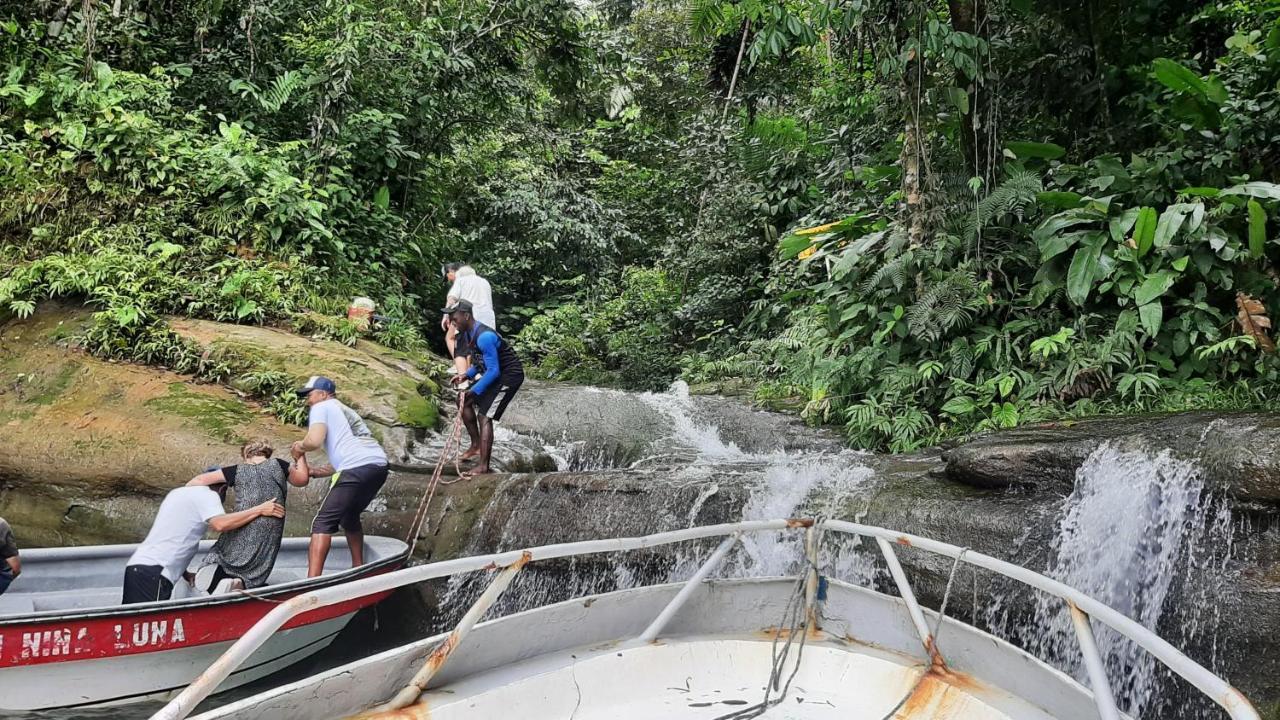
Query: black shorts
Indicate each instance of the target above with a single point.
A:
(494, 400)
(145, 583)
(355, 489)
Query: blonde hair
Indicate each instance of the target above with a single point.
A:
(257, 446)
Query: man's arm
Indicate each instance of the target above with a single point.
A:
(314, 439)
(231, 521)
(213, 477)
(488, 344)
(15, 565)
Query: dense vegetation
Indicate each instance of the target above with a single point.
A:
(912, 219)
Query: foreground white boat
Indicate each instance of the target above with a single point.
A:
(67, 642)
(806, 647)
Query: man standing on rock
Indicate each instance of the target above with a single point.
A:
(359, 467)
(466, 285)
(496, 374)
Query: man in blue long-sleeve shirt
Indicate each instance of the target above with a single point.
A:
(496, 374)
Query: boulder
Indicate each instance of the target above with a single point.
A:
(1238, 453)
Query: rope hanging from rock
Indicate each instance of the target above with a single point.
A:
(449, 450)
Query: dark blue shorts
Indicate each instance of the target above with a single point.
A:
(355, 489)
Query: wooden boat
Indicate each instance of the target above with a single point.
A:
(708, 649)
(67, 642)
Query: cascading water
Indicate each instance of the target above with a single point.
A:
(1137, 532)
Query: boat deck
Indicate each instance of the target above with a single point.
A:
(703, 678)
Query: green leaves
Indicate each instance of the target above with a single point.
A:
(1086, 269)
(1144, 230)
(1257, 229)
(1155, 285)
(1198, 98)
(1151, 315)
(382, 198)
(1037, 150)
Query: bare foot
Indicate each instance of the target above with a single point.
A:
(470, 453)
(480, 470)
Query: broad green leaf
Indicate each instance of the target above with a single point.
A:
(1058, 244)
(1257, 229)
(1045, 151)
(1179, 78)
(959, 405)
(1206, 192)
(1152, 315)
(382, 198)
(1144, 230)
(1170, 222)
(1060, 199)
(1257, 189)
(74, 134)
(1181, 263)
(792, 245)
(1155, 285)
(959, 98)
(1122, 224)
(1083, 273)
(1063, 220)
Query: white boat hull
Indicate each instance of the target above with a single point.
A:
(567, 660)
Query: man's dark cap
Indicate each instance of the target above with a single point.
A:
(460, 306)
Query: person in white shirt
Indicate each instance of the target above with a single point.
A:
(469, 286)
(175, 535)
(357, 463)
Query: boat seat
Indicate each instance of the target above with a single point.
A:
(16, 604)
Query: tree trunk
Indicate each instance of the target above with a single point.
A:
(977, 126)
(912, 160)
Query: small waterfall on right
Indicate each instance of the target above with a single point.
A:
(1140, 534)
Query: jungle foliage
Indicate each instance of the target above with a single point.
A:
(911, 219)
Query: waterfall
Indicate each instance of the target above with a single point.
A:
(1139, 534)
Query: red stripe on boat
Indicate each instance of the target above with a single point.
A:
(53, 641)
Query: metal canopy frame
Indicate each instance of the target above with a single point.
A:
(1082, 607)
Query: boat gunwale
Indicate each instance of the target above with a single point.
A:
(269, 592)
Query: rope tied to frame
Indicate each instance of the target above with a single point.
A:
(937, 627)
(798, 617)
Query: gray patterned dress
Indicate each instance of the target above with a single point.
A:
(250, 552)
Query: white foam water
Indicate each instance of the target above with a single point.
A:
(1135, 523)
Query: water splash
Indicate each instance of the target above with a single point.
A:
(686, 430)
(1136, 524)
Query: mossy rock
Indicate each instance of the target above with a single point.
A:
(386, 387)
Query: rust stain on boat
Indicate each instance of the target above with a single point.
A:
(939, 694)
(903, 540)
(784, 633)
(799, 522)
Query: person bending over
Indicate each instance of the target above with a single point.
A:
(175, 535)
(11, 568)
(497, 374)
(466, 285)
(246, 555)
(358, 465)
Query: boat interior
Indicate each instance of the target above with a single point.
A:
(67, 579)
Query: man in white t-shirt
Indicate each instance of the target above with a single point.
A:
(358, 465)
(175, 535)
(469, 286)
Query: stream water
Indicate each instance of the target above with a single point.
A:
(1138, 532)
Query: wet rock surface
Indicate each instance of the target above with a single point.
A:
(1239, 453)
